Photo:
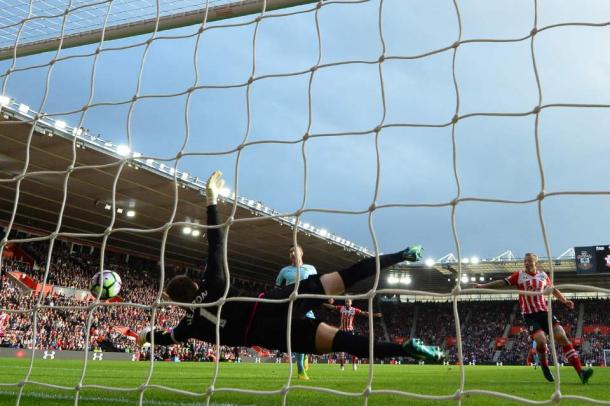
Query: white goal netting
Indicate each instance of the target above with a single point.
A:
(41, 41)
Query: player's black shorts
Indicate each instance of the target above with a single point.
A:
(539, 321)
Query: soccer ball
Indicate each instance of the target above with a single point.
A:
(110, 287)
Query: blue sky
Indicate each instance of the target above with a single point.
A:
(496, 156)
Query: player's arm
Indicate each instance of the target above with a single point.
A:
(214, 274)
(161, 336)
(330, 304)
(280, 281)
(501, 283)
(557, 293)
(366, 314)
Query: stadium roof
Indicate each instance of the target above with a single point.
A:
(257, 249)
(258, 239)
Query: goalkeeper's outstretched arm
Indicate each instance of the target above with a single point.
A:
(162, 337)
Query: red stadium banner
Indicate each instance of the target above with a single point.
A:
(596, 329)
(514, 330)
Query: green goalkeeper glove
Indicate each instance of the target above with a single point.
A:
(213, 187)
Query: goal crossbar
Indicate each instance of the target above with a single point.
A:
(146, 26)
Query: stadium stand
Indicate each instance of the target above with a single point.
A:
(492, 329)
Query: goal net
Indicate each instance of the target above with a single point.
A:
(324, 109)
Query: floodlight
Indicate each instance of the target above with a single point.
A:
(136, 154)
(323, 233)
(123, 150)
(464, 278)
(107, 206)
(196, 233)
(465, 260)
(130, 213)
(185, 176)
(392, 280)
(225, 192)
(24, 108)
(4, 100)
(149, 162)
(429, 262)
(475, 260)
(119, 210)
(473, 279)
(172, 170)
(187, 230)
(481, 278)
(60, 124)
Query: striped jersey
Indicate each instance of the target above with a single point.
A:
(347, 317)
(4, 321)
(533, 283)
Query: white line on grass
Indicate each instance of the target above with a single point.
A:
(43, 395)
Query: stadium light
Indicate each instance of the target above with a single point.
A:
(123, 150)
(429, 262)
(465, 260)
(60, 124)
(130, 213)
(187, 230)
(119, 210)
(481, 278)
(323, 233)
(473, 279)
(185, 175)
(149, 162)
(392, 280)
(24, 108)
(136, 154)
(172, 170)
(4, 100)
(475, 260)
(108, 206)
(225, 192)
(196, 233)
(405, 280)
(464, 278)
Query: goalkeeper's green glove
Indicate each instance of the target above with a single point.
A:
(213, 187)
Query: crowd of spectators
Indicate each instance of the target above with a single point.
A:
(62, 328)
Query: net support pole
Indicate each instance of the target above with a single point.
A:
(217, 13)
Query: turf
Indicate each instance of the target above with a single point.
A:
(196, 377)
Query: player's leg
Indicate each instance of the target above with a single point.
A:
(301, 367)
(354, 363)
(571, 354)
(330, 339)
(342, 361)
(541, 348)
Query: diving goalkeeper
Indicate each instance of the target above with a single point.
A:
(264, 324)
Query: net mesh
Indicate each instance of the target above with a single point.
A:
(26, 21)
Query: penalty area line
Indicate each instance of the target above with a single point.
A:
(53, 396)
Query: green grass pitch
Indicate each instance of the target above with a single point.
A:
(428, 380)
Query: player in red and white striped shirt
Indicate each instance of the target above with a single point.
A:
(535, 313)
(348, 312)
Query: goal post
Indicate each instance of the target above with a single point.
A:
(606, 357)
(217, 10)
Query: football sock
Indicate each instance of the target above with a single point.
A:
(300, 366)
(365, 268)
(358, 346)
(570, 353)
(542, 355)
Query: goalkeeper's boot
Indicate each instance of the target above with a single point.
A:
(548, 375)
(418, 350)
(306, 363)
(585, 374)
(303, 376)
(413, 254)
